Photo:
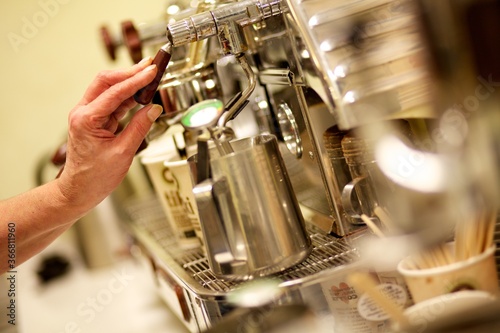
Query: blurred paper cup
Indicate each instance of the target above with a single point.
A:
(476, 273)
(178, 191)
(444, 310)
(166, 186)
(351, 311)
(394, 277)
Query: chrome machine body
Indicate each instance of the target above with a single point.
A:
(293, 69)
(311, 73)
(318, 64)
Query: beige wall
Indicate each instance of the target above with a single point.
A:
(45, 73)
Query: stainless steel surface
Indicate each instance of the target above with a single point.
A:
(289, 130)
(148, 220)
(181, 88)
(249, 202)
(192, 77)
(332, 139)
(205, 293)
(277, 50)
(274, 48)
(224, 21)
(276, 319)
(369, 55)
(360, 159)
(306, 66)
(237, 103)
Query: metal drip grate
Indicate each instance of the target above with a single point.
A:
(327, 251)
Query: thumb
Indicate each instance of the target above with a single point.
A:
(133, 135)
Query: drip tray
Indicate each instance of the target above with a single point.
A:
(190, 267)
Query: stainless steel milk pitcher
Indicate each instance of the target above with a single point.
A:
(250, 217)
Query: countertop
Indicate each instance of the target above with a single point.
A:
(118, 298)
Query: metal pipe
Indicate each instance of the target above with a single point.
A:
(245, 94)
(218, 21)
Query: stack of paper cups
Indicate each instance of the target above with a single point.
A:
(166, 186)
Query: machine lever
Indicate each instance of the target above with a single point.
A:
(145, 95)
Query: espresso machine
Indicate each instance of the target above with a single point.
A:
(330, 80)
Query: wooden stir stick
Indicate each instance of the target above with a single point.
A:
(373, 227)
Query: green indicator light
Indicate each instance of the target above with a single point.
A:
(202, 115)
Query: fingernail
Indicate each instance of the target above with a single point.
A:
(147, 59)
(154, 112)
(149, 68)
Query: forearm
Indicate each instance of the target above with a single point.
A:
(97, 160)
(37, 217)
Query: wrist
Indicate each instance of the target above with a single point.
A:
(70, 199)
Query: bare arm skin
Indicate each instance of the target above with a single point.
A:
(97, 160)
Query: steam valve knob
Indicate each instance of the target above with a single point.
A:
(145, 95)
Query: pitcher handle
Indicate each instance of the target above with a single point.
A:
(347, 197)
(214, 203)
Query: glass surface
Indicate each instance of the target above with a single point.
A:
(203, 115)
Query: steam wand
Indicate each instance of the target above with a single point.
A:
(239, 101)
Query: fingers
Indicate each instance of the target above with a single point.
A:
(133, 135)
(126, 105)
(107, 79)
(111, 122)
(111, 99)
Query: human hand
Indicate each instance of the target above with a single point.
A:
(98, 157)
